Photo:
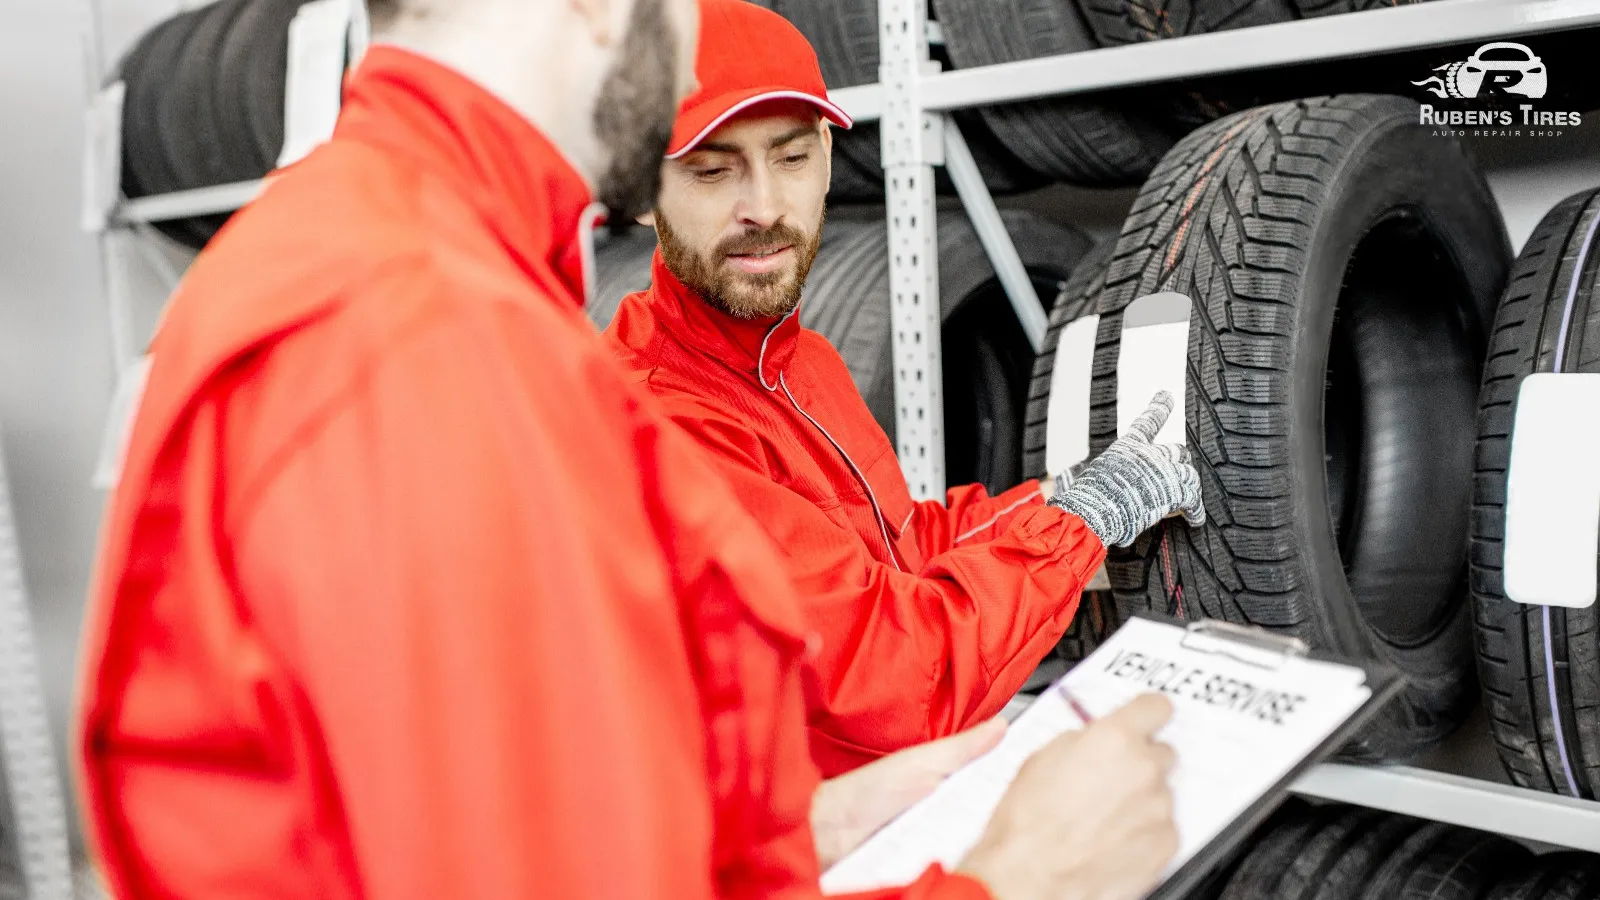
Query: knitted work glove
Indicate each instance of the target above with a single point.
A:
(1135, 483)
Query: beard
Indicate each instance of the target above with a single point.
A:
(635, 113)
(739, 294)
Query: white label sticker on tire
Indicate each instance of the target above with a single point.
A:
(1154, 356)
(1552, 523)
(1067, 424)
(314, 82)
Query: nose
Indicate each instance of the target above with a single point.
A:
(761, 205)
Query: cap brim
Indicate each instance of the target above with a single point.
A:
(694, 127)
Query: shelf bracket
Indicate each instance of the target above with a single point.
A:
(992, 234)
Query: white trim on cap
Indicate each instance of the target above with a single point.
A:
(834, 112)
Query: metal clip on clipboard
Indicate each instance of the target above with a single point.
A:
(1251, 646)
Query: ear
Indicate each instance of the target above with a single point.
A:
(827, 149)
(648, 219)
(597, 16)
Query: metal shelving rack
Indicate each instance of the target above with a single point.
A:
(913, 101)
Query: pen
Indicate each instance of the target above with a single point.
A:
(1077, 707)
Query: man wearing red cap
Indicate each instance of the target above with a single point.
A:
(406, 593)
(932, 615)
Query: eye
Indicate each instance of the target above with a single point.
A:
(710, 174)
(795, 159)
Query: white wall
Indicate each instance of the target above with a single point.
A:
(55, 352)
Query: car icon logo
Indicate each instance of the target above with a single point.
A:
(1501, 67)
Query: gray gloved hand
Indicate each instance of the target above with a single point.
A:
(1135, 483)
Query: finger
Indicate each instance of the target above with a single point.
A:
(937, 758)
(1177, 454)
(1194, 505)
(1166, 758)
(1155, 415)
(951, 753)
(1143, 716)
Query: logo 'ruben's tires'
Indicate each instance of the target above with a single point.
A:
(1344, 263)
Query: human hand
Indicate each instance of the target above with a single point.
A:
(847, 810)
(1136, 482)
(1089, 817)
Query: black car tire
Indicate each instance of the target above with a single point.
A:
(150, 164)
(1313, 235)
(1560, 261)
(1119, 22)
(1277, 845)
(1461, 865)
(1315, 871)
(621, 267)
(1310, 8)
(1364, 858)
(1087, 142)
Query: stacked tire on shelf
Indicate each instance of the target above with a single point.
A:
(1338, 852)
(1336, 344)
(205, 103)
(1540, 666)
(987, 359)
(845, 36)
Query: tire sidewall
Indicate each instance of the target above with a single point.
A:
(1383, 178)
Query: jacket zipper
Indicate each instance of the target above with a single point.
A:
(877, 512)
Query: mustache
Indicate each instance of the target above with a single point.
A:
(751, 241)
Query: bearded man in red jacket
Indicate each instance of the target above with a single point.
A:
(932, 615)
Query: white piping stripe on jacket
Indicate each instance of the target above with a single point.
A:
(873, 498)
(761, 358)
(587, 220)
(1023, 502)
(907, 523)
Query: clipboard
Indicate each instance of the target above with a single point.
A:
(1237, 769)
(1384, 681)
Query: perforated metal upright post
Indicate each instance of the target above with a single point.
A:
(37, 805)
(912, 145)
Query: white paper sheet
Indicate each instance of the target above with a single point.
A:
(1238, 729)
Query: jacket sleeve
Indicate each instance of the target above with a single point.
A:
(969, 514)
(908, 657)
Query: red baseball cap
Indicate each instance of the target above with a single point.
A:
(747, 55)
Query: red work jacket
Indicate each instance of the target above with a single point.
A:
(405, 593)
(932, 615)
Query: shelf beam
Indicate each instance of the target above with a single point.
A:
(863, 103)
(204, 201)
(1469, 802)
(1365, 33)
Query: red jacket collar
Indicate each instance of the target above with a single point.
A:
(527, 191)
(761, 347)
